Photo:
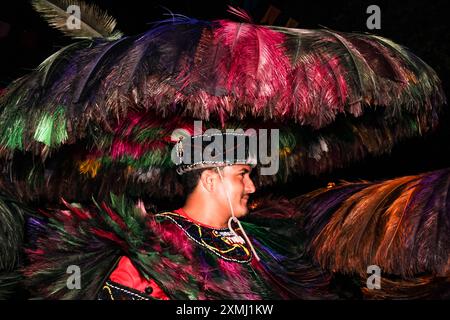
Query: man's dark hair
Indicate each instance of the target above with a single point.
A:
(189, 180)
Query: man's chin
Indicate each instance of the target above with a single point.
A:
(242, 213)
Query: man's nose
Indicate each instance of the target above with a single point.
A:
(250, 186)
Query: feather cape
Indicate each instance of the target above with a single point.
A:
(94, 239)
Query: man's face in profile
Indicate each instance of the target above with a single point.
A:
(239, 185)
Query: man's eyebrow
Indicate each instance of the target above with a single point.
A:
(244, 170)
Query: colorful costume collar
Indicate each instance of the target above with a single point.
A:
(221, 242)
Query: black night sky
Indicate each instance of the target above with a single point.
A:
(26, 40)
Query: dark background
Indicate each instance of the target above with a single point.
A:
(26, 40)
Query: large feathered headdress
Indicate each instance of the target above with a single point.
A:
(97, 115)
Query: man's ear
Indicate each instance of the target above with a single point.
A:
(208, 180)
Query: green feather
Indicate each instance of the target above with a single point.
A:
(12, 135)
(147, 134)
(51, 129)
(43, 131)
